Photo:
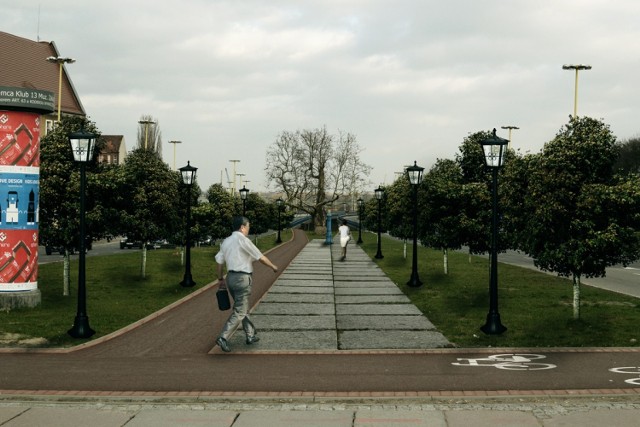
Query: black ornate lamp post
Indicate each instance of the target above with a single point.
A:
(279, 203)
(188, 178)
(494, 150)
(82, 146)
(415, 179)
(360, 206)
(244, 191)
(379, 195)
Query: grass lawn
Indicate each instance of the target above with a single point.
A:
(116, 294)
(535, 307)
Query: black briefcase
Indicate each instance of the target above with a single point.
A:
(222, 295)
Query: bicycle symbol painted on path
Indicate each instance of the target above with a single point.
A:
(513, 362)
(628, 370)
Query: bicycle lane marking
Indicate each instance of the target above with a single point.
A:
(635, 370)
(508, 361)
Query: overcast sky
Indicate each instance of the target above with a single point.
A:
(411, 79)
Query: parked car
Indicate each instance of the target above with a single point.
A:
(49, 250)
(163, 244)
(130, 244)
(208, 241)
(136, 244)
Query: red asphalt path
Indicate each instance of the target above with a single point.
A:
(168, 354)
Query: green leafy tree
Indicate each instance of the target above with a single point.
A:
(150, 195)
(514, 188)
(471, 157)
(581, 219)
(260, 214)
(444, 213)
(397, 210)
(628, 160)
(476, 193)
(224, 207)
(60, 192)
(203, 220)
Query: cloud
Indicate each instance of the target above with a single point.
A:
(410, 79)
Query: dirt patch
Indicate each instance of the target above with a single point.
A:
(19, 340)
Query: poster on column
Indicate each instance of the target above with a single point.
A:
(19, 200)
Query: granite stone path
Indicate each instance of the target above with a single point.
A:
(323, 303)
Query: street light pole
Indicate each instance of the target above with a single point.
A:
(379, 194)
(146, 124)
(510, 129)
(576, 67)
(279, 203)
(82, 146)
(174, 152)
(244, 191)
(188, 178)
(360, 206)
(415, 179)
(60, 61)
(494, 149)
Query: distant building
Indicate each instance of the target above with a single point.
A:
(26, 66)
(114, 150)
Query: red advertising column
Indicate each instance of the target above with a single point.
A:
(20, 111)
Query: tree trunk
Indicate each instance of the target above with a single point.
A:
(576, 297)
(143, 267)
(445, 252)
(66, 276)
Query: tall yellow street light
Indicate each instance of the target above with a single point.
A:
(174, 152)
(576, 67)
(146, 124)
(240, 176)
(60, 61)
(510, 129)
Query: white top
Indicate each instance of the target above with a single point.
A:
(344, 231)
(238, 252)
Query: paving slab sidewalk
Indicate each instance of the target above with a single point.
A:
(322, 303)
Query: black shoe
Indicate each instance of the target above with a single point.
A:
(253, 339)
(224, 345)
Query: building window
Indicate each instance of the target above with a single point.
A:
(48, 126)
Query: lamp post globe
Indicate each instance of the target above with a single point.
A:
(244, 191)
(360, 207)
(414, 173)
(494, 149)
(379, 192)
(188, 174)
(82, 147)
(279, 203)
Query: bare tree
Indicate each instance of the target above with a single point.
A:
(314, 169)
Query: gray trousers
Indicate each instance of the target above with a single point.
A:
(239, 285)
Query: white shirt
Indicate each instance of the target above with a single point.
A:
(238, 252)
(344, 231)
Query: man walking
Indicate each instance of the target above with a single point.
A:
(238, 252)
